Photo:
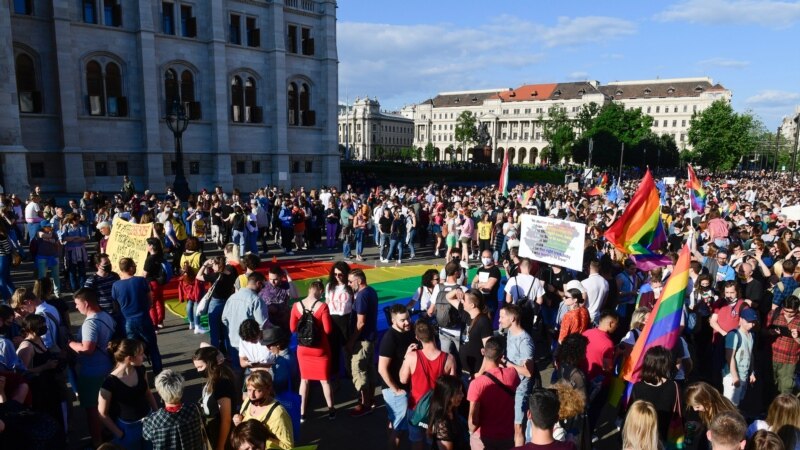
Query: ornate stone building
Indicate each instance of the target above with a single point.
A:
(365, 130)
(87, 83)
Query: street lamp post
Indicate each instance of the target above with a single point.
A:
(177, 121)
(796, 143)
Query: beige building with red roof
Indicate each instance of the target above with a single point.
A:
(514, 117)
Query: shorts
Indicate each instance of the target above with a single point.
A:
(362, 365)
(436, 229)
(417, 434)
(520, 406)
(450, 240)
(396, 409)
(89, 389)
(734, 393)
(465, 240)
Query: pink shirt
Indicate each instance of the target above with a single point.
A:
(717, 228)
(496, 413)
(467, 228)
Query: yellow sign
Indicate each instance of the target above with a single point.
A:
(128, 240)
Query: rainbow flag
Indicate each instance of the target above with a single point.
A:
(639, 232)
(696, 192)
(600, 189)
(503, 184)
(525, 197)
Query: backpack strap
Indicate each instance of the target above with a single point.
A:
(505, 388)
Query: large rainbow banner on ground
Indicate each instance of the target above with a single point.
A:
(394, 284)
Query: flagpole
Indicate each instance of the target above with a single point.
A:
(621, 155)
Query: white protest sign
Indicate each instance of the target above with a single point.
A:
(552, 241)
(669, 181)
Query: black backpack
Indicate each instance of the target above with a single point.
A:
(446, 315)
(532, 321)
(307, 333)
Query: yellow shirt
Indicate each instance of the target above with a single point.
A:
(484, 230)
(279, 423)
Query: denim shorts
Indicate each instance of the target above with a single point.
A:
(396, 409)
(417, 434)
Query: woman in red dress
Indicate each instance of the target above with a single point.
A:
(314, 359)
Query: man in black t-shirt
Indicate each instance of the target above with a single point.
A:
(487, 280)
(397, 341)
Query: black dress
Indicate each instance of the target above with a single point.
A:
(47, 391)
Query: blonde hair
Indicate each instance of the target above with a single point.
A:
(713, 403)
(639, 317)
(641, 427)
(572, 401)
(784, 410)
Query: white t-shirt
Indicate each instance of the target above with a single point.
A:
(423, 298)
(522, 285)
(596, 292)
(256, 352)
(461, 277)
(340, 300)
(32, 212)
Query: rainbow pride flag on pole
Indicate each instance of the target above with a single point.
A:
(696, 192)
(524, 198)
(600, 189)
(502, 186)
(662, 328)
(639, 232)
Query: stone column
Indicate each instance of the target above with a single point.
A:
(220, 139)
(151, 103)
(13, 164)
(280, 140)
(329, 98)
(70, 96)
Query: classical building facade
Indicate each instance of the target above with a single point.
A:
(91, 81)
(514, 117)
(365, 131)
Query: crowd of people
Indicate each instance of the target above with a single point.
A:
(461, 363)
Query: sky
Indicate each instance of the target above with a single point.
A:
(403, 52)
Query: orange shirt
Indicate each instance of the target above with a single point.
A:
(574, 321)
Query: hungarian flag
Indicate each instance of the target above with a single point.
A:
(502, 186)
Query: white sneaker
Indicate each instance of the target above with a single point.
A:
(398, 261)
(384, 260)
(199, 330)
(191, 327)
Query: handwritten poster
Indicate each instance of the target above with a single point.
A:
(552, 241)
(128, 240)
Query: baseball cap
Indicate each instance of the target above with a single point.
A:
(750, 315)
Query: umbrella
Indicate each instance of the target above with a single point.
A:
(792, 212)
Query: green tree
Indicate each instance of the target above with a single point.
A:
(452, 152)
(557, 131)
(466, 131)
(721, 137)
(611, 127)
(544, 155)
(586, 116)
(430, 152)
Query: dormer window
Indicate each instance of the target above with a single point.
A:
(671, 90)
(557, 93)
(582, 92)
(619, 92)
(698, 88)
(535, 94)
(648, 91)
(474, 99)
(512, 94)
(456, 100)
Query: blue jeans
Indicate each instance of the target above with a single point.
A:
(238, 238)
(215, 328)
(412, 233)
(6, 285)
(346, 247)
(141, 328)
(49, 262)
(252, 242)
(359, 235)
(399, 245)
(194, 321)
(376, 235)
(77, 274)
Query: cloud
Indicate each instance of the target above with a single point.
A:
(583, 30)
(578, 75)
(724, 63)
(773, 99)
(402, 63)
(766, 13)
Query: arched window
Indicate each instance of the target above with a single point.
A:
(171, 92)
(117, 105)
(292, 100)
(30, 100)
(250, 100)
(94, 88)
(299, 99)
(237, 100)
(187, 86)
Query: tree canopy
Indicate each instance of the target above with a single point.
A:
(720, 137)
(466, 131)
(558, 131)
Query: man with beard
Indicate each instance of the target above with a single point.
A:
(397, 341)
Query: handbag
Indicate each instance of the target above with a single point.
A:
(675, 433)
(202, 305)
(203, 433)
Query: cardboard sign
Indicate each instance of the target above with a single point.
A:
(669, 181)
(552, 241)
(573, 187)
(128, 240)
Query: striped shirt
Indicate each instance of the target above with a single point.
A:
(103, 287)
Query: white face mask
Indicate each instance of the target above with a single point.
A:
(486, 261)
